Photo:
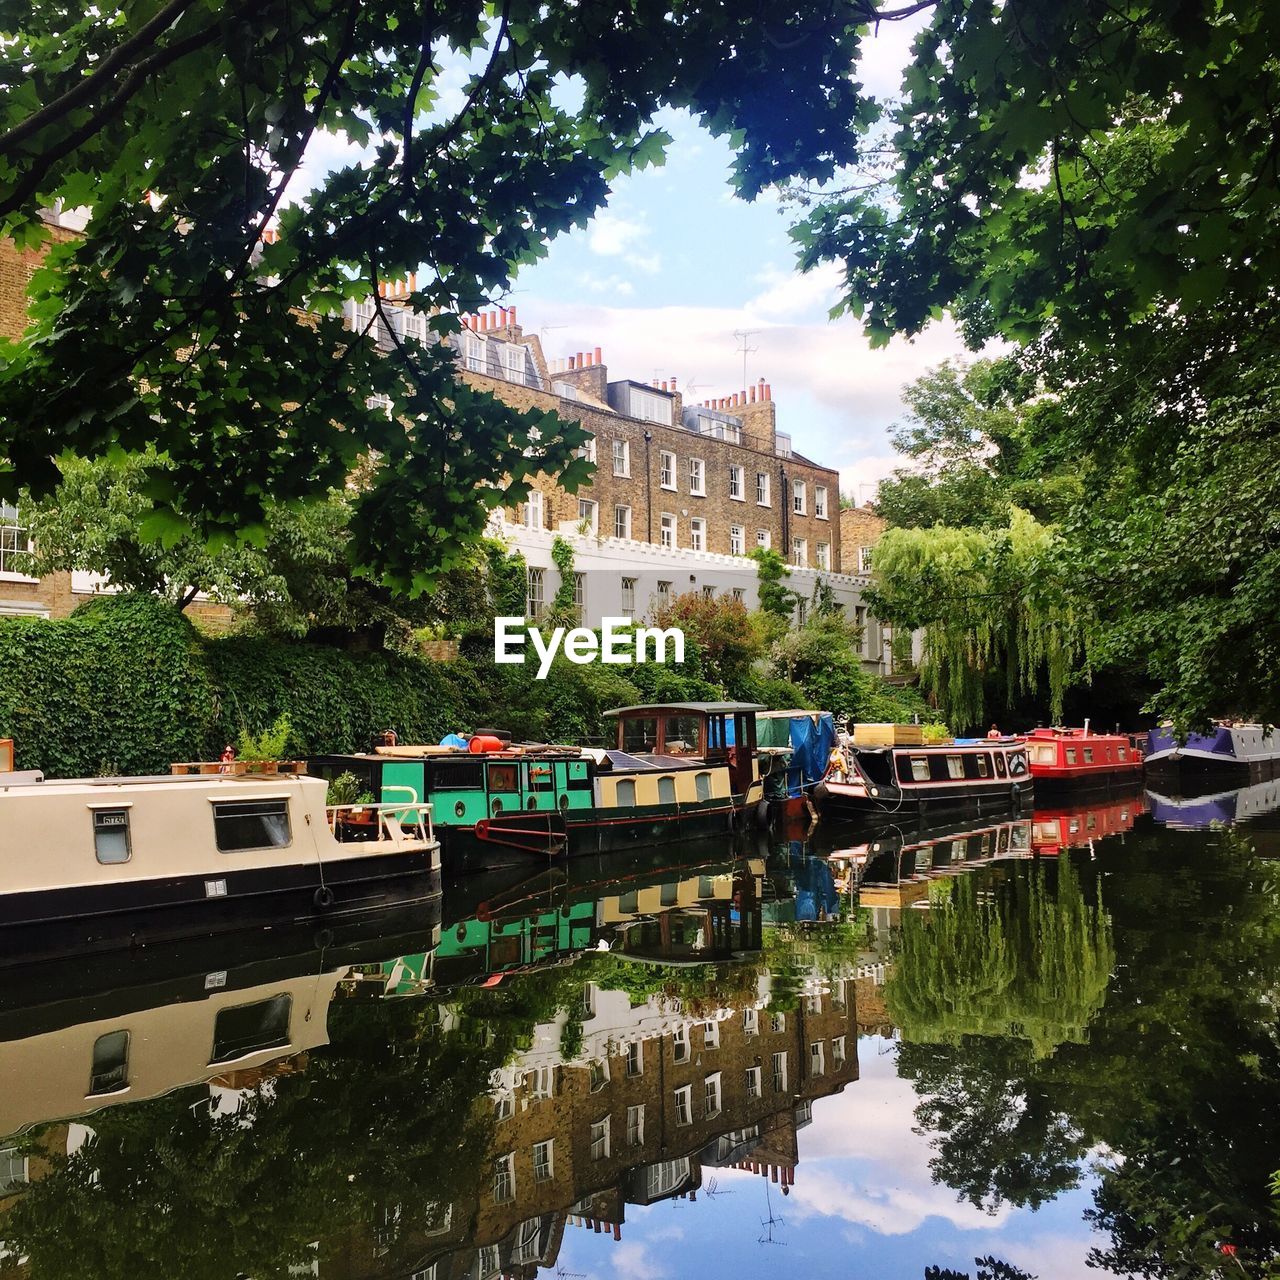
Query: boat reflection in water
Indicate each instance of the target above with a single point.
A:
(1220, 808)
(1057, 827)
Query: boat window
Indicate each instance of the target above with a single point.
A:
(1000, 769)
(540, 778)
(1071, 755)
(504, 777)
(1120, 751)
(984, 767)
(919, 769)
(682, 736)
(717, 735)
(1017, 763)
(703, 782)
(251, 1028)
(111, 835)
(1088, 755)
(1044, 754)
(626, 792)
(955, 766)
(640, 734)
(666, 790)
(251, 824)
(458, 775)
(110, 1072)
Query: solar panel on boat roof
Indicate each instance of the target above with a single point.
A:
(621, 760)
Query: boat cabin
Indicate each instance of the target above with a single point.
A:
(671, 734)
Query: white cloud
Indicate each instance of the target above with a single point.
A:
(631, 1261)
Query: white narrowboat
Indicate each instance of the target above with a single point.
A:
(113, 861)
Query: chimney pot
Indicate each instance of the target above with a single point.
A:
(579, 364)
(572, 365)
(512, 314)
(768, 392)
(597, 357)
(664, 386)
(753, 395)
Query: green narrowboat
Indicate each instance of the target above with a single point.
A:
(677, 771)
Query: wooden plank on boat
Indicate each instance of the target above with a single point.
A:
(888, 735)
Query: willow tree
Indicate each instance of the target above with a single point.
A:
(991, 600)
(1023, 961)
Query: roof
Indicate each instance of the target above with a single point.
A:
(691, 708)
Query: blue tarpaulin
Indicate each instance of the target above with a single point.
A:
(810, 736)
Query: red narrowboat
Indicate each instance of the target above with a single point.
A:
(1080, 756)
(1068, 825)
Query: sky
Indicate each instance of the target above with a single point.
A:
(663, 278)
(864, 1207)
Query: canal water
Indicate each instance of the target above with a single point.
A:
(1048, 1041)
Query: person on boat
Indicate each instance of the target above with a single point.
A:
(994, 732)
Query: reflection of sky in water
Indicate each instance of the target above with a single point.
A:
(863, 1205)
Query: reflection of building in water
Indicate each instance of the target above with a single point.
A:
(659, 1096)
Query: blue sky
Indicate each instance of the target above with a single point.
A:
(863, 1205)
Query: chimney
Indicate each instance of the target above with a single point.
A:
(598, 358)
(673, 384)
(664, 386)
(768, 392)
(512, 314)
(753, 395)
(579, 364)
(571, 363)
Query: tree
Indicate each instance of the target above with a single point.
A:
(777, 602)
(727, 636)
(201, 312)
(988, 600)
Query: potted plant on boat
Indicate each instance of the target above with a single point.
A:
(264, 752)
(352, 821)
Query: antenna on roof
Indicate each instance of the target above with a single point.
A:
(743, 336)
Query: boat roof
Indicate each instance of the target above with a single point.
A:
(690, 708)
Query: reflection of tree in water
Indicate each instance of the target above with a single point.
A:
(1177, 1086)
(1012, 958)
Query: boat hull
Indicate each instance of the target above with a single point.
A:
(1230, 756)
(102, 917)
(850, 800)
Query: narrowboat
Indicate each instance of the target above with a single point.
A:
(1231, 755)
(901, 772)
(1081, 758)
(677, 771)
(102, 862)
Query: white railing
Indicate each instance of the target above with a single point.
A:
(394, 820)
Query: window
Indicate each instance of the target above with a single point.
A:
(587, 450)
(736, 484)
(751, 1022)
(817, 1058)
(779, 1073)
(504, 1105)
(649, 406)
(802, 611)
(822, 555)
(544, 1160)
(955, 767)
(111, 835)
(762, 488)
(542, 1086)
(740, 593)
(629, 597)
(1120, 753)
(798, 504)
(711, 1035)
(635, 1125)
(813, 1003)
(251, 824)
(667, 474)
(837, 1052)
(532, 509)
(697, 477)
(800, 552)
(635, 1058)
(537, 593)
(579, 593)
(667, 530)
(621, 458)
(680, 1044)
(764, 538)
(1088, 755)
(490, 1261)
(13, 538)
(528, 1242)
(251, 1028)
(697, 534)
(684, 1105)
(110, 1071)
(600, 1139)
(588, 514)
(919, 769)
(504, 1179)
(984, 767)
(864, 559)
(622, 522)
(1071, 755)
(753, 1082)
(711, 1095)
(664, 591)
(599, 1075)
(777, 1023)
(737, 542)
(702, 786)
(13, 1169)
(820, 501)
(708, 593)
